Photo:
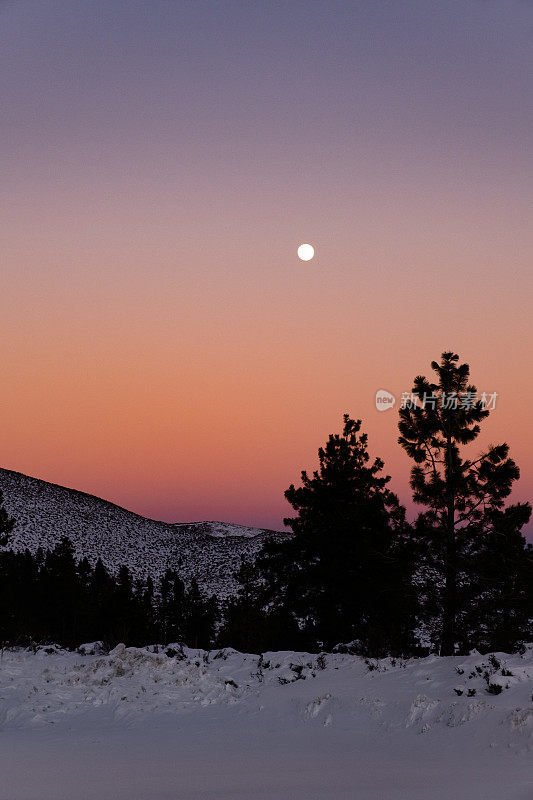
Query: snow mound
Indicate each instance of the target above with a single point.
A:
(490, 695)
(167, 721)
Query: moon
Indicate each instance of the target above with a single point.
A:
(306, 252)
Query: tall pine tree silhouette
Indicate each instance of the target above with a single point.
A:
(349, 582)
(343, 576)
(463, 496)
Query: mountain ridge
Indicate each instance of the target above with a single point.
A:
(208, 550)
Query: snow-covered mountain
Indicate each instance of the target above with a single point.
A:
(45, 512)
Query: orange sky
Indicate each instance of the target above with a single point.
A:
(162, 345)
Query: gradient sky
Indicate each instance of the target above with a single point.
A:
(162, 346)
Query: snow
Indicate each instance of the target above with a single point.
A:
(210, 551)
(222, 530)
(159, 722)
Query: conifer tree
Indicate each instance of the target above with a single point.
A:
(6, 523)
(171, 611)
(258, 618)
(145, 601)
(496, 609)
(348, 533)
(344, 575)
(464, 495)
(124, 613)
(101, 605)
(62, 594)
(201, 614)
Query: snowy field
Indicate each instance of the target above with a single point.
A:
(173, 724)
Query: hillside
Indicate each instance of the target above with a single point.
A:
(45, 512)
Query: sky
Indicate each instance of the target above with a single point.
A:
(162, 345)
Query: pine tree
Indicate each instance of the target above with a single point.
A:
(101, 605)
(463, 496)
(124, 607)
(62, 594)
(6, 523)
(496, 612)
(145, 601)
(201, 614)
(257, 619)
(348, 533)
(344, 575)
(19, 606)
(171, 611)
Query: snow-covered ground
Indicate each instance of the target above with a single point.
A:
(160, 723)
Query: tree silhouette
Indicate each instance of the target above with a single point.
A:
(344, 575)
(463, 496)
(201, 614)
(171, 611)
(6, 523)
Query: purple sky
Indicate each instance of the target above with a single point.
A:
(161, 162)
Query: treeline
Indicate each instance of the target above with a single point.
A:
(50, 597)
(459, 578)
(355, 570)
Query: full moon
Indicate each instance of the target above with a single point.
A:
(306, 252)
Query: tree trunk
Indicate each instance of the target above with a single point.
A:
(449, 607)
(450, 589)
